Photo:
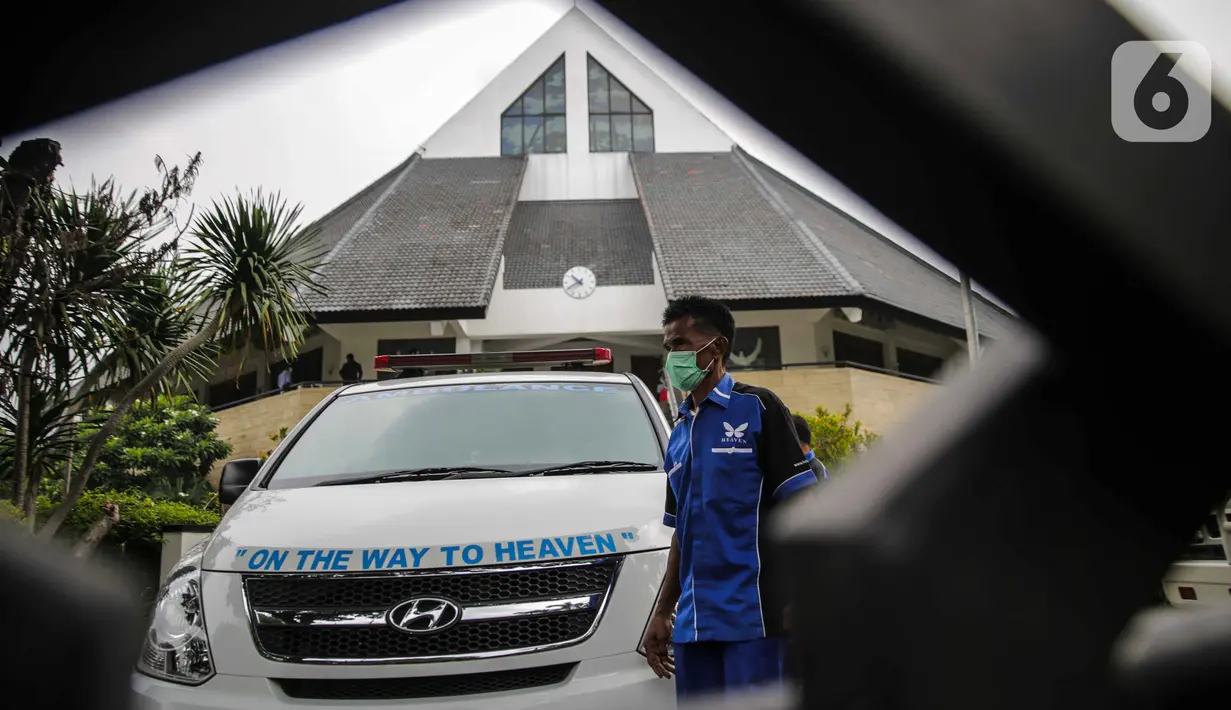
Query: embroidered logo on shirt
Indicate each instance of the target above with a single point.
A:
(734, 435)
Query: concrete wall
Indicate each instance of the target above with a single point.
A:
(247, 427)
(361, 339)
(879, 402)
(536, 312)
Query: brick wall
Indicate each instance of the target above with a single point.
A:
(878, 401)
(247, 427)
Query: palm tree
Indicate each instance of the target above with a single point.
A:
(85, 255)
(247, 265)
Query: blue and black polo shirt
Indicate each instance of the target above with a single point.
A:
(729, 463)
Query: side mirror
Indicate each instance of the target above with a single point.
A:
(236, 476)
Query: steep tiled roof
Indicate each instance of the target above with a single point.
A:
(881, 270)
(431, 239)
(334, 225)
(546, 239)
(717, 233)
(429, 236)
(726, 226)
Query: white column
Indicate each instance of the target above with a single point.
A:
(972, 324)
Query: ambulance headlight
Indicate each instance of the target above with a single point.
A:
(176, 647)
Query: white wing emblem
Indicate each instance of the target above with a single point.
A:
(734, 432)
(743, 360)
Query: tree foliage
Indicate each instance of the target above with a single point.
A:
(104, 300)
(276, 438)
(835, 438)
(165, 446)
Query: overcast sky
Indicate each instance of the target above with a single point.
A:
(321, 117)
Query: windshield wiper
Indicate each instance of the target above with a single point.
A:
(436, 473)
(582, 467)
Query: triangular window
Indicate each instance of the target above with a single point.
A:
(534, 123)
(619, 121)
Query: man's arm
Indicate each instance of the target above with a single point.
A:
(671, 582)
(670, 594)
(782, 462)
(658, 630)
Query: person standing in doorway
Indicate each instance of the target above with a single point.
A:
(732, 458)
(351, 371)
(804, 432)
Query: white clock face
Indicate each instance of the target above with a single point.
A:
(579, 282)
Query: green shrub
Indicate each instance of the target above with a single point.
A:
(277, 438)
(141, 517)
(165, 446)
(835, 438)
(8, 511)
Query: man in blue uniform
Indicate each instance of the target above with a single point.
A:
(804, 432)
(732, 458)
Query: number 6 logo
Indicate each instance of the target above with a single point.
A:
(1160, 92)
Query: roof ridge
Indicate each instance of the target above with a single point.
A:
(655, 239)
(861, 225)
(597, 15)
(363, 191)
(493, 271)
(785, 210)
(366, 217)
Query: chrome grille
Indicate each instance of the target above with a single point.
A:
(428, 687)
(478, 586)
(309, 618)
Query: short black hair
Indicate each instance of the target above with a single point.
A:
(350, 356)
(802, 430)
(708, 316)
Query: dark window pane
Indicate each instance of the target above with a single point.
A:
(534, 134)
(918, 364)
(600, 134)
(852, 348)
(533, 99)
(643, 134)
(557, 141)
(620, 97)
(621, 133)
(639, 107)
(510, 136)
(599, 102)
(555, 87)
(514, 109)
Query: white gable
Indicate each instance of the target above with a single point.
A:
(475, 130)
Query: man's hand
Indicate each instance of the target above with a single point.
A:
(657, 636)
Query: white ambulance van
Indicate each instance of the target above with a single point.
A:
(484, 540)
(1202, 576)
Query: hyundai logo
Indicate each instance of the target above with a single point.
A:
(423, 615)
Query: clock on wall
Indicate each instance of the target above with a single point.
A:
(579, 282)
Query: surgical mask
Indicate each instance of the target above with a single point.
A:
(682, 368)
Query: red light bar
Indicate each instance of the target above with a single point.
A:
(448, 361)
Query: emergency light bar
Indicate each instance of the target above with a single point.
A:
(448, 361)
